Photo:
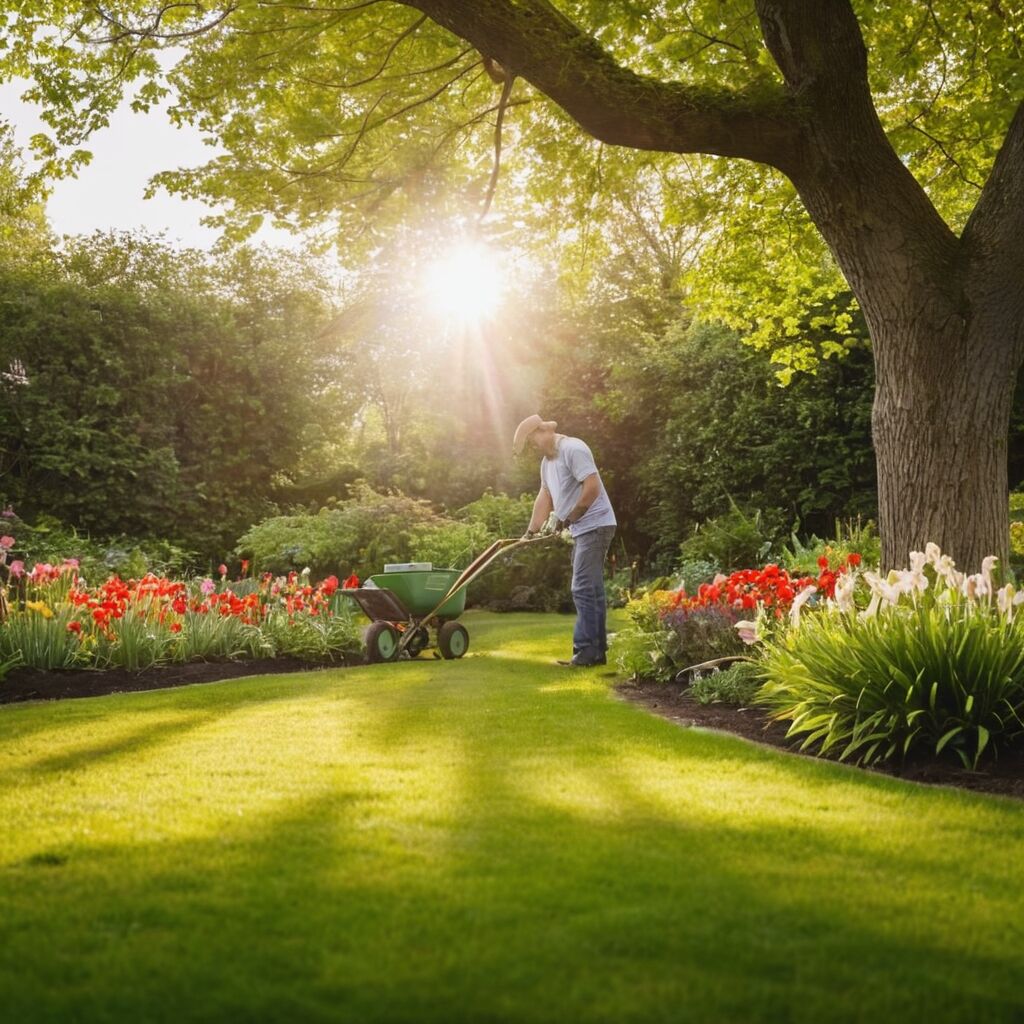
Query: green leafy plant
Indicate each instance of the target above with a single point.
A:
(643, 648)
(315, 639)
(732, 540)
(935, 663)
(210, 637)
(691, 573)
(136, 641)
(736, 684)
(852, 536)
(37, 636)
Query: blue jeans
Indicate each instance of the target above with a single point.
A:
(590, 637)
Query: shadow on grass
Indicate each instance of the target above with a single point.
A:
(513, 845)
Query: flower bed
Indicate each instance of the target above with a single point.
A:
(923, 663)
(670, 629)
(52, 620)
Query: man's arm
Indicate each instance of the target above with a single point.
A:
(543, 506)
(591, 489)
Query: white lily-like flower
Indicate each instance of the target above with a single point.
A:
(933, 553)
(912, 580)
(798, 602)
(845, 586)
(918, 560)
(872, 609)
(747, 631)
(1004, 599)
(988, 564)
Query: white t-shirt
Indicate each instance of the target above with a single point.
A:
(563, 476)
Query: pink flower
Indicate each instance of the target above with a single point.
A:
(207, 587)
(71, 563)
(17, 568)
(222, 569)
(6, 542)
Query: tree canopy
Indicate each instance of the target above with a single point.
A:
(897, 127)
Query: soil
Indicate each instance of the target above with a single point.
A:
(23, 684)
(1004, 776)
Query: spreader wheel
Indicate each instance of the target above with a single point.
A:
(417, 643)
(381, 641)
(452, 640)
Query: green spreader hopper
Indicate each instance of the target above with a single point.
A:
(403, 601)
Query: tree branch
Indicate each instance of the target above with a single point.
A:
(533, 40)
(996, 224)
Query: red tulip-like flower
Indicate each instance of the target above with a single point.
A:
(352, 583)
(222, 569)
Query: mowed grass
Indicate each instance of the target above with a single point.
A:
(495, 839)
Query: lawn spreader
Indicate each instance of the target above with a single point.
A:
(407, 599)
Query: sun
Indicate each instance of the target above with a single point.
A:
(465, 284)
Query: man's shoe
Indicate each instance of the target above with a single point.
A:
(578, 662)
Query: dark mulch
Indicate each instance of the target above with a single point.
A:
(33, 684)
(1004, 776)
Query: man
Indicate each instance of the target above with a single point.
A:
(571, 486)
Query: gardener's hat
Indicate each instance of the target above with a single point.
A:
(528, 427)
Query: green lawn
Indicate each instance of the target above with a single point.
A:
(486, 840)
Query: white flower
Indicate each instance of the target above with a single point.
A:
(845, 586)
(872, 609)
(918, 560)
(747, 631)
(988, 564)
(912, 580)
(798, 602)
(1004, 598)
(933, 553)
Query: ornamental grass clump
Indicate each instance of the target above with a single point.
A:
(920, 662)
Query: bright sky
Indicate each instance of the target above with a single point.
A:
(108, 193)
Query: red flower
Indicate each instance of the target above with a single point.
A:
(75, 627)
(222, 569)
(245, 566)
(823, 562)
(175, 627)
(853, 559)
(352, 583)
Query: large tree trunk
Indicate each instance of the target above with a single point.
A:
(940, 424)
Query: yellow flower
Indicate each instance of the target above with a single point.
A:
(40, 606)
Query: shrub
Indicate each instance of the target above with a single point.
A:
(359, 535)
(732, 540)
(692, 573)
(737, 684)
(935, 662)
(853, 536)
(642, 649)
(702, 634)
(49, 540)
